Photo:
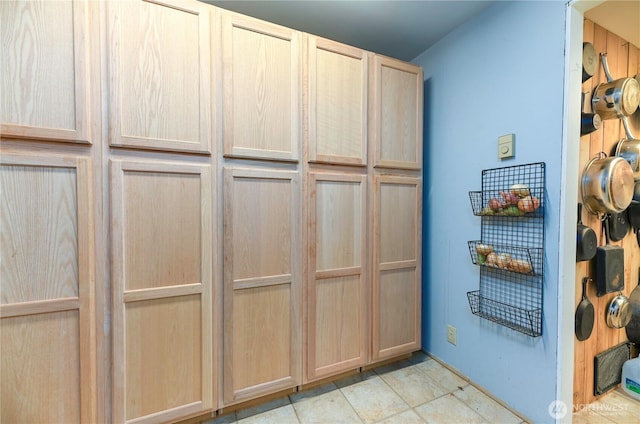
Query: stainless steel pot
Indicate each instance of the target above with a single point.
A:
(619, 312)
(615, 98)
(629, 149)
(607, 184)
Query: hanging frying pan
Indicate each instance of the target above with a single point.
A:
(619, 225)
(619, 311)
(589, 61)
(584, 314)
(589, 122)
(586, 240)
(609, 265)
(633, 328)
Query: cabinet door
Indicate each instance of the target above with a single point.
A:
(396, 265)
(162, 281)
(44, 68)
(337, 303)
(337, 102)
(46, 291)
(262, 322)
(396, 113)
(261, 70)
(159, 71)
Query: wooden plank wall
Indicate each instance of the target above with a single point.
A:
(623, 58)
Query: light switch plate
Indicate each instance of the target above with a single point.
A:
(506, 146)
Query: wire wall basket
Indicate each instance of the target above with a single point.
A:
(510, 252)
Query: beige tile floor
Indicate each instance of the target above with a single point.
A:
(418, 390)
(614, 408)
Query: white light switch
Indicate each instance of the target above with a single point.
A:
(506, 146)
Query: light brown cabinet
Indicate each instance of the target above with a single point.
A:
(161, 272)
(159, 75)
(262, 282)
(396, 113)
(396, 282)
(313, 263)
(45, 70)
(261, 100)
(337, 302)
(336, 110)
(47, 312)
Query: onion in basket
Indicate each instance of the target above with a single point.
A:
(520, 190)
(484, 249)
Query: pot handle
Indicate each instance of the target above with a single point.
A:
(605, 67)
(627, 128)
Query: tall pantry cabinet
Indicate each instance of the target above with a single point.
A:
(396, 197)
(335, 207)
(262, 281)
(161, 209)
(363, 210)
(198, 208)
(47, 199)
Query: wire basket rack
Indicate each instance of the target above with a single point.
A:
(510, 252)
(527, 321)
(521, 260)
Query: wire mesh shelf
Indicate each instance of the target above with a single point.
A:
(509, 258)
(527, 321)
(510, 252)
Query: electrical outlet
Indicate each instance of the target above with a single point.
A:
(451, 334)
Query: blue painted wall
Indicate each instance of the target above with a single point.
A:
(501, 72)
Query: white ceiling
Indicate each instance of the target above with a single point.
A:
(620, 17)
(400, 29)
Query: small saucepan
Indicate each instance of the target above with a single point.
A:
(629, 149)
(615, 98)
(619, 311)
(607, 184)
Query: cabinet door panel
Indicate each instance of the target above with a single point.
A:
(159, 75)
(171, 256)
(396, 113)
(261, 283)
(41, 368)
(339, 324)
(162, 281)
(337, 105)
(179, 344)
(337, 303)
(398, 325)
(46, 290)
(396, 291)
(261, 89)
(262, 316)
(44, 70)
